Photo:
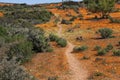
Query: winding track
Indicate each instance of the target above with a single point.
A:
(78, 72)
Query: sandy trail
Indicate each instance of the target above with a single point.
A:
(77, 70)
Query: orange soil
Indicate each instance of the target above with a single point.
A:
(5, 4)
(1, 14)
(109, 65)
(44, 65)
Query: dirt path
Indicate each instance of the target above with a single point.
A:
(77, 70)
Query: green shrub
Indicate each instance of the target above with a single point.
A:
(105, 32)
(109, 47)
(38, 39)
(2, 41)
(62, 42)
(80, 48)
(113, 20)
(50, 49)
(53, 37)
(116, 52)
(3, 31)
(53, 78)
(22, 51)
(101, 52)
(66, 22)
(11, 70)
(97, 48)
(119, 42)
(73, 18)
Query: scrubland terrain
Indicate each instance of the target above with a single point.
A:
(79, 29)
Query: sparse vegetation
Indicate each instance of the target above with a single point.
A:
(97, 48)
(114, 20)
(80, 48)
(105, 32)
(53, 78)
(109, 47)
(66, 22)
(116, 52)
(101, 52)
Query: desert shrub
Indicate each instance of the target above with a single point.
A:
(2, 41)
(109, 47)
(53, 37)
(113, 20)
(98, 74)
(53, 78)
(11, 70)
(105, 32)
(73, 18)
(66, 22)
(119, 42)
(80, 16)
(39, 41)
(101, 52)
(33, 16)
(116, 52)
(100, 6)
(97, 48)
(80, 48)
(62, 42)
(3, 31)
(22, 51)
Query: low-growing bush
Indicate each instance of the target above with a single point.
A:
(113, 20)
(39, 41)
(97, 48)
(22, 51)
(80, 48)
(11, 70)
(109, 47)
(116, 52)
(2, 41)
(119, 43)
(66, 22)
(105, 32)
(53, 78)
(101, 52)
(73, 18)
(53, 37)
(62, 42)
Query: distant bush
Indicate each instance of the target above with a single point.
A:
(80, 48)
(116, 52)
(109, 47)
(3, 31)
(66, 22)
(113, 20)
(97, 48)
(101, 52)
(73, 18)
(53, 37)
(105, 32)
(80, 16)
(119, 42)
(2, 41)
(53, 78)
(22, 51)
(11, 70)
(62, 42)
